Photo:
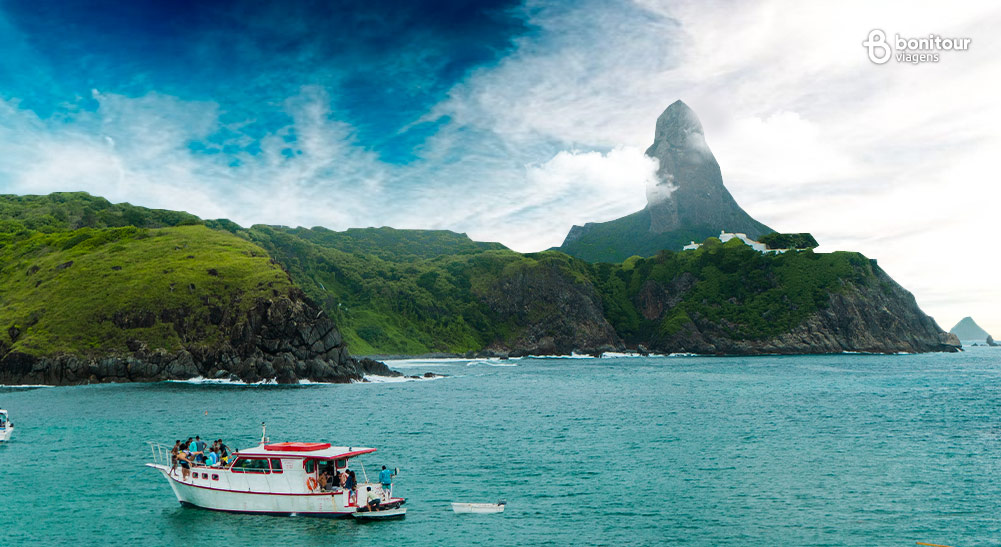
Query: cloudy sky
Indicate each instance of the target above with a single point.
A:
(513, 121)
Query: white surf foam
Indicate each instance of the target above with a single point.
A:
(372, 379)
(201, 380)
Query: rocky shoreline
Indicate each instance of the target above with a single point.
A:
(286, 338)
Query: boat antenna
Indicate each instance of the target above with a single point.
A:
(264, 433)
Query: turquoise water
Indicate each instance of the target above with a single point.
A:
(818, 450)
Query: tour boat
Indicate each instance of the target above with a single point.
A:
(275, 479)
(6, 426)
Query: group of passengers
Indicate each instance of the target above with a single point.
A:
(330, 479)
(196, 452)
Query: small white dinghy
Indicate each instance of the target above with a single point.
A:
(381, 514)
(479, 507)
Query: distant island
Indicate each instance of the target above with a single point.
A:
(92, 291)
(968, 330)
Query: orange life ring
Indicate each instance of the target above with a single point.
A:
(311, 484)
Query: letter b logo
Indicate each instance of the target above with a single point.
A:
(879, 49)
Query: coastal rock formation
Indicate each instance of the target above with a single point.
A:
(285, 338)
(991, 342)
(555, 314)
(687, 203)
(870, 315)
(689, 189)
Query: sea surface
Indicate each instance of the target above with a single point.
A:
(815, 450)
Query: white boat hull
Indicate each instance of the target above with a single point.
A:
(5, 433)
(224, 496)
(383, 514)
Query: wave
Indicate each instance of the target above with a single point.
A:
(24, 386)
(373, 379)
(416, 363)
(492, 363)
(201, 380)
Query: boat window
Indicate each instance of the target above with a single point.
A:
(342, 463)
(310, 466)
(276, 465)
(215, 477)
(250, 465)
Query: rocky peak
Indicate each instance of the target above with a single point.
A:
(677, 126)
(689, 191)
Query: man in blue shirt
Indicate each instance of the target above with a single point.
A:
(386, 478)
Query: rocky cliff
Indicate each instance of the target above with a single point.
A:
(870, 313)
(285, 338)
(556, 314)
(688, 202)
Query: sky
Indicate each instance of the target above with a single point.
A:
(512, 121)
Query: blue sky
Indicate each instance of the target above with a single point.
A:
(512, 121)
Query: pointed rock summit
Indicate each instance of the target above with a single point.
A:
(688, 202)
(968, 329)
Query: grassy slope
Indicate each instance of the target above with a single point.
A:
(417, 306)
(412, 305)
(389, 291)
(617, 240)
(71, 308)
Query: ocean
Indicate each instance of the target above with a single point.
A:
(804, 450)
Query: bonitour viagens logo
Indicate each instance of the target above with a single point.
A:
(911, 50)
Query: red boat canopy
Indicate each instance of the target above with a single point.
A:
(297, 447)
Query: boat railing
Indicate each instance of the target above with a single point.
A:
(161, 454)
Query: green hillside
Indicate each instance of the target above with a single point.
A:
(89, 291)
(746, 294)
(405, 306)
(71, 210)
(66, 288)
(617, 240)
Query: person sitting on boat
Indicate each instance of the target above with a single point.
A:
(386, 479)
(372, 500)
(326, 481)
(342, 478)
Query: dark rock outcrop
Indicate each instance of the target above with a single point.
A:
(286, 338)
(991, 342)
(555, 314)
(872, 316)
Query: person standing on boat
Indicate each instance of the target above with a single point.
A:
(386, 478)
(350, 484)
(173, 454)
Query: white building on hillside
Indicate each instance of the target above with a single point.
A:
(727, 236)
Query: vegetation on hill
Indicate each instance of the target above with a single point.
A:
(728, 287)
(776, 240)
(72, 210)
(89, 291)
(410, 305)
(73, 278)
(617, 240)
